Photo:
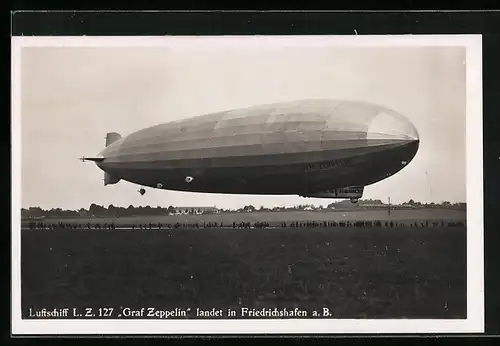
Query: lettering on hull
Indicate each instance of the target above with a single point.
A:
(327, 165)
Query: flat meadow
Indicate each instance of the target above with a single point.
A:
(357, 272)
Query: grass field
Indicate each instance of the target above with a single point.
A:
(355, 272)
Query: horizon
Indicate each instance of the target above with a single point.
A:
(256, 206)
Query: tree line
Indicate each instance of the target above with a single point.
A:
(97, 210)
(114, 211)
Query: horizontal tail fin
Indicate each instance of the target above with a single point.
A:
(112, 137)
(95, 159)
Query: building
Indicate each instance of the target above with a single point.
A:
(196, 210)
(374, 205)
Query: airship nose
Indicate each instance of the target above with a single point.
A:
(390, 125)
(413, 148)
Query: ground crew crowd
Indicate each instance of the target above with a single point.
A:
(244, 225)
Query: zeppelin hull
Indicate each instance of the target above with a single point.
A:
(286, 148)
(285, 178)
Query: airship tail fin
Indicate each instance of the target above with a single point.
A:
(112, 137)
(95, 159)
(110, 179)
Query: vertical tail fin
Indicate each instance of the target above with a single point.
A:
(112, 137)
(110, 179)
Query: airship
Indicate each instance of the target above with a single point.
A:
(322, 148)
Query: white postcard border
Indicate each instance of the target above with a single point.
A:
(474, 176)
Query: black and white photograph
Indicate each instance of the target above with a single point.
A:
(247, 184)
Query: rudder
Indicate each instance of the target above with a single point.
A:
(112, 137)
(110, 179)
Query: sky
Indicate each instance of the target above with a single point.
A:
(72, 96)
